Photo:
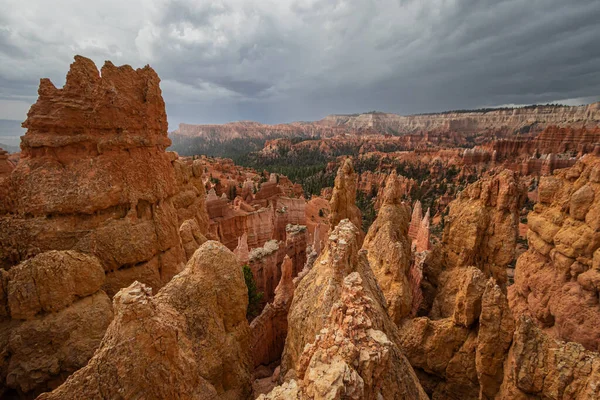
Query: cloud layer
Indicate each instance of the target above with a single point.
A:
(284, 60)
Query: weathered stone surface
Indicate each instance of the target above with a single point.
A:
(269, 329)
(59, 316)
(265, 263)
(556, 280)
(351, 358)
(482, 225)
(539, 367)
(321, 288)
(94, 177)
(496, 327)
(50, 282)
(296, 237)
(415, 221)
(458, 352)
(190, 340)
(191, 237)
(388, 251)
(343, 199)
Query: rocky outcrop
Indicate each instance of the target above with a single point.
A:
(557, 280)
(269, 329)
(190, 340)
(259, 226)
(422, 241)
(265, 265)
(94, 177)
(241, 251)
(415, 220)
(388, 250)
(315, 299)
(53, 315)
(539, 367)
(295, 246)
(458, 351)
(191, 237)
(343, 198)
(351, 357)
(6, 166)
(482, 225)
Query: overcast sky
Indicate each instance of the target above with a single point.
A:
(285, 60)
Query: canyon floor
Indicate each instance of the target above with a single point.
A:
(370, 256)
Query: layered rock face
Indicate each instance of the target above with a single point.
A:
(482, 225)
(190, 340)
(388, 250)
(343, 198)
(269, 329)
(351, 358)
(539, 367)
(265, 265)
(295, 246)
(53, 315)
(6, 166)
(94, 177)
(557, 280)
(321, 288)
(458, 351)
(448, 127)
(510, 119)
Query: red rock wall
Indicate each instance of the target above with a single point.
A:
(94, 176)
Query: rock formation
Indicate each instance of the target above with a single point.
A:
(53, 315)
(539, 367)
(269, 329)
(265, 264)
(482, 225)
(343, 199)
(190, 340)
(295, 246)
(351, 357)
(388, 250)
(94, 177)
(557, 280)
(321, 288)
(417, 131)
(191, 237)
(241, 251)
(458, 351)
(6, 166)
(422, 242)
(415, 221)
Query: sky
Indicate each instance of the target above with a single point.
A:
(278, 61)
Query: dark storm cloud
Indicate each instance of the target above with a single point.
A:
(282, 60)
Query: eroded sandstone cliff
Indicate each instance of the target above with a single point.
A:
(94, 177)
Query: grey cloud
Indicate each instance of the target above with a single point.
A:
(283, 60)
